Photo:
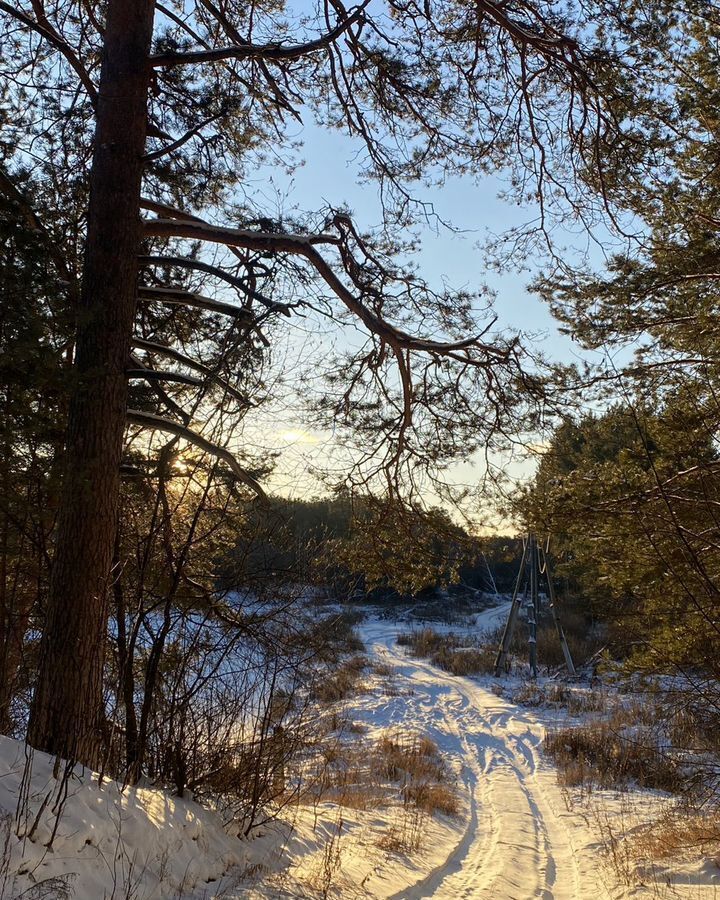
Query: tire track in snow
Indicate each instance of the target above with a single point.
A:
(518, 843)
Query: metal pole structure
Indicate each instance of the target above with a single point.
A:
(545, 566)
(533, 607)
(502, 653)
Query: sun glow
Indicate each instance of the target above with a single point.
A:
(180, 467)
(298, 436)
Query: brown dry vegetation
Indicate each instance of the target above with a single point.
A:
(599, 754)
(450, 652)
(432, 798)
(344, 682)
(575, 700)
(362, 776)
(679, 832)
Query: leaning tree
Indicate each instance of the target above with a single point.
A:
(152, 114)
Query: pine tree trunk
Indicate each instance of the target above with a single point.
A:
(67, 709)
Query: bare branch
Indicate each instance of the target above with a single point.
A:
(153, 347)
(274, 51)
(159, 423)
(180, 297)
(304, 245)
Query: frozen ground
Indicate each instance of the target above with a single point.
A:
(517, 835)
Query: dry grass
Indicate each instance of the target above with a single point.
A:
(382, 669)
(598, 754)
(466, 661)
(634, 713)
(530, 694)
(423, 642)
(400, 757)
(680, 833)
(432, 798)
(358, 796)
(404, 837)
(343, 777)
(343, 682)
(394, 841)
(636, 850)
(577, 702)
(581, 702)
(450, 652)
(359, 776)
(418, 765)
(365, 777)
(694, 725)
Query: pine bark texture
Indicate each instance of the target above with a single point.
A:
(67, 711)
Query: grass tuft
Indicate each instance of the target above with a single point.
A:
(598, 754)
(450, 652)
(341, 683)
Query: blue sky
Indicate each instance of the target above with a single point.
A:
(329, 176)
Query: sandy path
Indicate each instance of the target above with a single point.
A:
(520, 841)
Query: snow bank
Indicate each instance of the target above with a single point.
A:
(101, 840)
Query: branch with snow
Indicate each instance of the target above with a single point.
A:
(163, 350)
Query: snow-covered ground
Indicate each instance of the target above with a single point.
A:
(516, 835)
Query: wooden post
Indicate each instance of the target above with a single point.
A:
(556, 619)
(502, 653)
(533, 607)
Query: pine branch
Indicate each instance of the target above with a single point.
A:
(160, 423)
(191, 363)
(176, 296)
(274, 51)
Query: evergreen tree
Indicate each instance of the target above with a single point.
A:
(35, 332)
(628, 498)
(158, 108)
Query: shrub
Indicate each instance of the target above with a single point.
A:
(335, 635)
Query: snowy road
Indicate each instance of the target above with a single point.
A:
(520, 841)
